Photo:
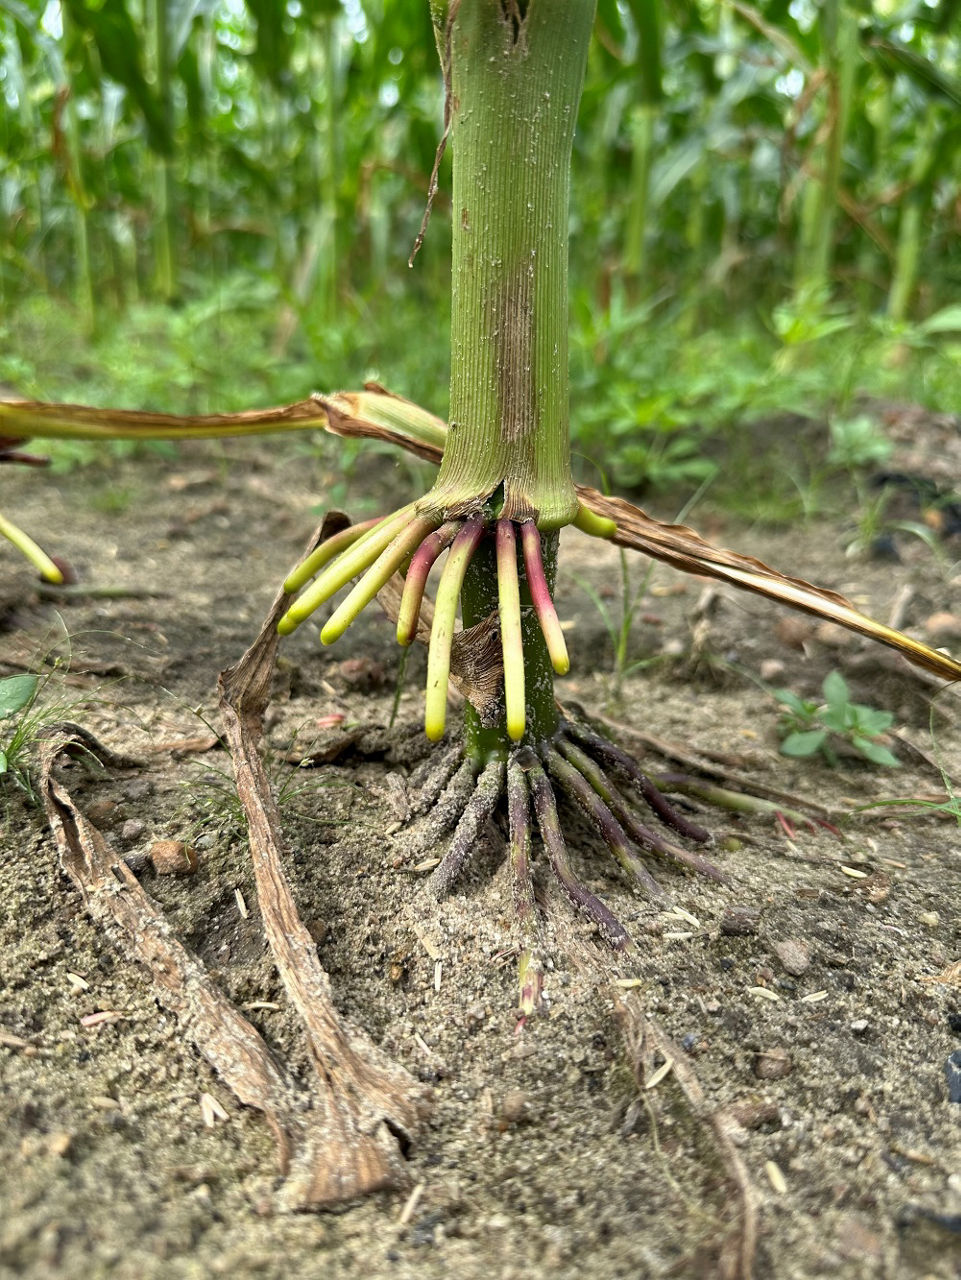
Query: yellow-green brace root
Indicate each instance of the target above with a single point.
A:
(512, 642)
(27, 547)
(352, 562)
(442, 632)
(313, 563)
(410, 542)
(597, 526)
(376, 577)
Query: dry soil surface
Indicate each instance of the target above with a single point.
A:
(813, 996)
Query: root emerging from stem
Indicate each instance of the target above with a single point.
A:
(410, 541)
(606, 786)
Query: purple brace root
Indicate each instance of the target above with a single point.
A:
(599, 814)
(519, 815)
(541, 598)
(588, 769)
(550, 828)
(611, 754)
(421, 564)
(468, 831)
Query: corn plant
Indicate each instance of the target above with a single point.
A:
(513, 77)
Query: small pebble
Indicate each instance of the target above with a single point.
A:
(952, 1071)
(773, 1064)
(740, 921)
(793, 632)
(172, 858)
(137, 862)
(943, 626)
(513, 1109)
(132, 830)
(859, 1026)
(102, 813)
(318, 930)
(752, 1113)
(794, 955)
(772, 669)
(930, 919)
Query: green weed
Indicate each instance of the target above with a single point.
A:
(811, 728)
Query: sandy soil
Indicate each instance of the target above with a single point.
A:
(805, 995)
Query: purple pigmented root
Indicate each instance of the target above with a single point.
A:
(546, 809)
(421, 564)
(610, 754)
(431, 776)
(446, 811)
(541, 598)
(476, 813)
(600, 816)
(644, 836)
(519, 815)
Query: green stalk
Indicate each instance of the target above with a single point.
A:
(165, 229)
(516, 76)
(821, 195)
(642, 141)
(80, 203)
(911, 225)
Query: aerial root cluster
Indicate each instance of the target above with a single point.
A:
(409, 541)
(608, 788)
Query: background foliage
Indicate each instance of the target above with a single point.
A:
(210, 203)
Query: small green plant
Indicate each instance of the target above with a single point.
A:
(807, 728)
(17, 695)
(873, 526)
(857, 442)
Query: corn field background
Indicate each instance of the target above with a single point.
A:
(210, 204)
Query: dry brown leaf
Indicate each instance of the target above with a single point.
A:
(361, 1099)
(26, 419)
(114, 898)
(686, 550)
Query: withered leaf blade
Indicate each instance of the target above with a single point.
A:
(115, 899)
(361, 1100)
(377, 414)
(686, 550)
(26, 419)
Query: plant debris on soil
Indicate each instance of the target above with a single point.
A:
(761, 1080)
